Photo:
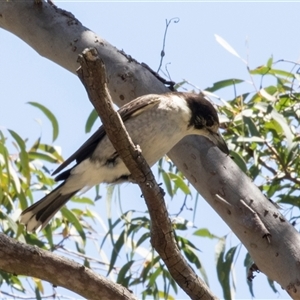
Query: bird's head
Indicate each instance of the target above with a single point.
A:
(204, 119)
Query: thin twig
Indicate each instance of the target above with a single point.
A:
(52, 296)
(264, 164)
(83, 256)
(163, 53)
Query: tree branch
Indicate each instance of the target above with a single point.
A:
(93, 76)
(22, 259)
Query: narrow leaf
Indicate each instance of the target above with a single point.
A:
(167, 181)
(43, 156)
(284, 125)
(115, 253)
(224, 267)
(248, 263)
(238, 159)
(272, 285)
(84, 200)
(91, 121)
(123, 271)
(267, 96)
(225, 45)
(261, 70)
(252, 127)
(252, 139)
(55, 151)
(51, 118)
(282, 73)
(70, 216)
(23, 154)
(179, 183)
(270, 62)
(204, 232)
(223, 83)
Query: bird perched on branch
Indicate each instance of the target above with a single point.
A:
(154, 122)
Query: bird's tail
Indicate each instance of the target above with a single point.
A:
(37, 216)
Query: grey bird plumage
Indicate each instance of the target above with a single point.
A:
(155, 122)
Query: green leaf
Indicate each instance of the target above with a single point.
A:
(224, 267)
(91, 121)
(185, 242)
(110, 231)
(270, 62)
(32, 239)
(143, 238)
(266, 95)
(204, 232)
(37, 294)
(167, 181)
(251, 126)
(179, 183)
(289, 199)
(83, 200)
(43, 156)
(49, 235)
(4, 160)
(282, 73)
(220, 249)
(272, 285)
(71, 217)
(192, 258)
(148, 266)
(154, 275)
(10, 222)
(51, 150)
(50, 116)
(15, 179)
(23, 198)
(248, 263)
(17, 284)
(238, 159)
(284, 125)
(261, 70)
(223, 83)
(117, 248)
(162, 295)
(293, 153)
(122, 273)
(24, 160)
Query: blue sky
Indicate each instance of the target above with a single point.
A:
(255, 30)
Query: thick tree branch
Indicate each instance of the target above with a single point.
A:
(63, 38)
(93, 76)
(21, 259)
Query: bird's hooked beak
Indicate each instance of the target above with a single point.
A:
(218, 140)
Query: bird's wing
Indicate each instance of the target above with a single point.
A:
(131, 109)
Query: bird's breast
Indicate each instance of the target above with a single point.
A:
(156, 131)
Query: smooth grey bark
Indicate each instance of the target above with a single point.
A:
(272, 242)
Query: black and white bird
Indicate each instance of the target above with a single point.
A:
(155, 122)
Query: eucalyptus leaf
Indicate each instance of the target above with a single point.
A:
(92, 118)
(51, 118)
